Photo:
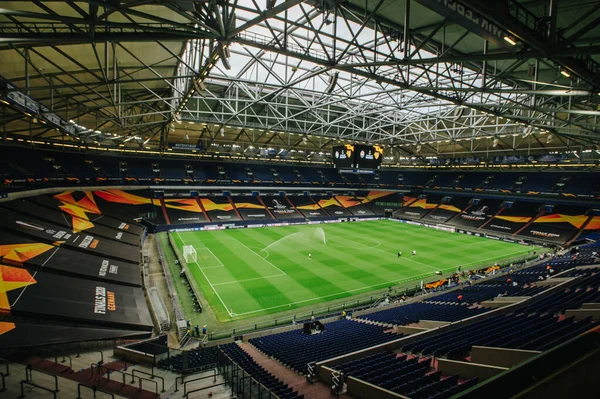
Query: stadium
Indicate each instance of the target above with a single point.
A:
(300, 199)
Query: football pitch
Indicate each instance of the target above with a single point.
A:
(255, 271)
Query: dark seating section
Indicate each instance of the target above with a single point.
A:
(413, 313)
(405, 375)
(583, 290)
(485, 292)
(521, 331)
(536, 326)
(296, 349)
(198, 359)
(47, 168)
(277, 387)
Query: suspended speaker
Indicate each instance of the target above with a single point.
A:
(332, 82)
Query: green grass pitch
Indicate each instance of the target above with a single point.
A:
(256, 271)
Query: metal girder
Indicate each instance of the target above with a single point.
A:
(415, 89)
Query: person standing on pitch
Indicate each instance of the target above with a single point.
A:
(399, 254)
(310, 256)
(414, 253)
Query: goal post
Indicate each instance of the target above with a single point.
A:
(189, 254)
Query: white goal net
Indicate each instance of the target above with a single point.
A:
(189, 254)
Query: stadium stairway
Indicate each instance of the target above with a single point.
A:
(294, 380)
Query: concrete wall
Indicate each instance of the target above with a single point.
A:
(408, 330)
(495, 304)
(219, 342)
(291, 327)
(468, 369)
(580, 314)
(364, 390)
(590, 306)
(133, 356)
(552, 281)
(428, 324)
(500, 357)
(510, 298)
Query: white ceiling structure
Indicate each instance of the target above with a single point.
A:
(424, 78)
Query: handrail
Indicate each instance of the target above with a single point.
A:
(23, 382)
(99, 367)
(6, 362)
(94, 389)
(151, 376)
(198, 369)
(29, 374)
(202, 389)
(214, 376)
(29, 380)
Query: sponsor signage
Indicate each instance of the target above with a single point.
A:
(104, 301)
(468, 18)
(187, 147)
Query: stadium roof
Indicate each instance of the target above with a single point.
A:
(424, 78)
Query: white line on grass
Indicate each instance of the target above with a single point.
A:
(386, 252)
(500, 258)
(250, 279)
(206, 277)
(215, 256)
(245, 246)
(325, 296)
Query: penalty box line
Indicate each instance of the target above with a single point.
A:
(221, 265)
(209, 282)
(257, 255)
(250, 279)
(393, 282)
(386, 252)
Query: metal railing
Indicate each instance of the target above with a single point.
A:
(182, 377)
(242, 384)
(4, 374)
(98, 375)
(29, 381)
(152, 376)
(94, 390)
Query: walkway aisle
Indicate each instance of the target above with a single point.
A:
(294, 380)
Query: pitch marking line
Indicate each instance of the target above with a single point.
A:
(386, 252)
(386, 283)
(500, 258)
(206, 277)
(257, 255)
(214, 256)
(250, 279)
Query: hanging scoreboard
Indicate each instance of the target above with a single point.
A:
(368, 157)
(343, 156)
(357, 156)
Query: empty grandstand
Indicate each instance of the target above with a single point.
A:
(300, 199)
